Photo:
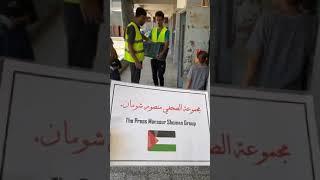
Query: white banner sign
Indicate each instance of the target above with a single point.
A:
(53, 123)
(263, 136)
(158, 126)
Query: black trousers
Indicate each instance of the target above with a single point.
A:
(82, 38)
(135, 73)
(158, 69)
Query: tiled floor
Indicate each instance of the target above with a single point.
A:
(146, 75)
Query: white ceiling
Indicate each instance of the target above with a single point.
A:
(167, 6)
(167, 9)
(155, 1)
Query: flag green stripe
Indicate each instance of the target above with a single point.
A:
(164, 147)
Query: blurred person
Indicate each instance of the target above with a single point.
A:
(15, 16)
(82, 20)
(159, 34)
(115, 64)
(199, 73)
(309, 6)
(281, 48)
(134, 48)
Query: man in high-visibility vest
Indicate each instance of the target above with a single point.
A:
(82, 20)
(134, 50)
(159, 34)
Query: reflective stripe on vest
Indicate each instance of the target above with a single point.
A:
(162, 36)
(137, 45)
(72, 1)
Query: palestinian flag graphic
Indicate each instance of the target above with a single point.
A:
(160, 141)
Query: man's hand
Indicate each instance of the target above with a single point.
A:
(145, 38)
(138, 65)
(189, 84)
(160, 55)
(251, 70)
(91, 11)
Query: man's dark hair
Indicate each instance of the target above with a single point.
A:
(141, 12)
(160, 14)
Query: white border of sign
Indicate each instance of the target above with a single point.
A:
(11, 68)
(306, 100)
(163, 162)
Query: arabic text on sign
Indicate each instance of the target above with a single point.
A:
(227, 148)
(68, 139)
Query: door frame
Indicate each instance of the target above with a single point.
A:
(181, 47)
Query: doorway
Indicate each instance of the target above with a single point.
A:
(181, 49)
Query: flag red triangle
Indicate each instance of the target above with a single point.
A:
(152, 140)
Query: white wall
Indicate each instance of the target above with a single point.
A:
(315, 84)
(197, 34)
(115, 18)
(176, 40)
(181, 4)
(197, 31)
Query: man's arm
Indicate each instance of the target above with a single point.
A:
(251, 70)
(131, 39)
(189, 78)
(165, 48)
(133, 54)
(255, 48)
(166, 45)
(189, 81)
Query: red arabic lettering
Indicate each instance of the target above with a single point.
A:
(43, 141)
(166, 110)
(250, 150)
(66, 135)
(220, 149)
(98, 141)
(227, 148)
(283, 151)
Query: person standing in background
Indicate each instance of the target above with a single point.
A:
(115, 64)
(82, 20)
(134, 48)
(15, 16)
(159, 35)
(199, 72)
(281, 48)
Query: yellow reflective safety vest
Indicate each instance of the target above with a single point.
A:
(162, 36)
(137, 45)
(72, 1)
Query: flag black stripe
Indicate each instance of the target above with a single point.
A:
(168, 134)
